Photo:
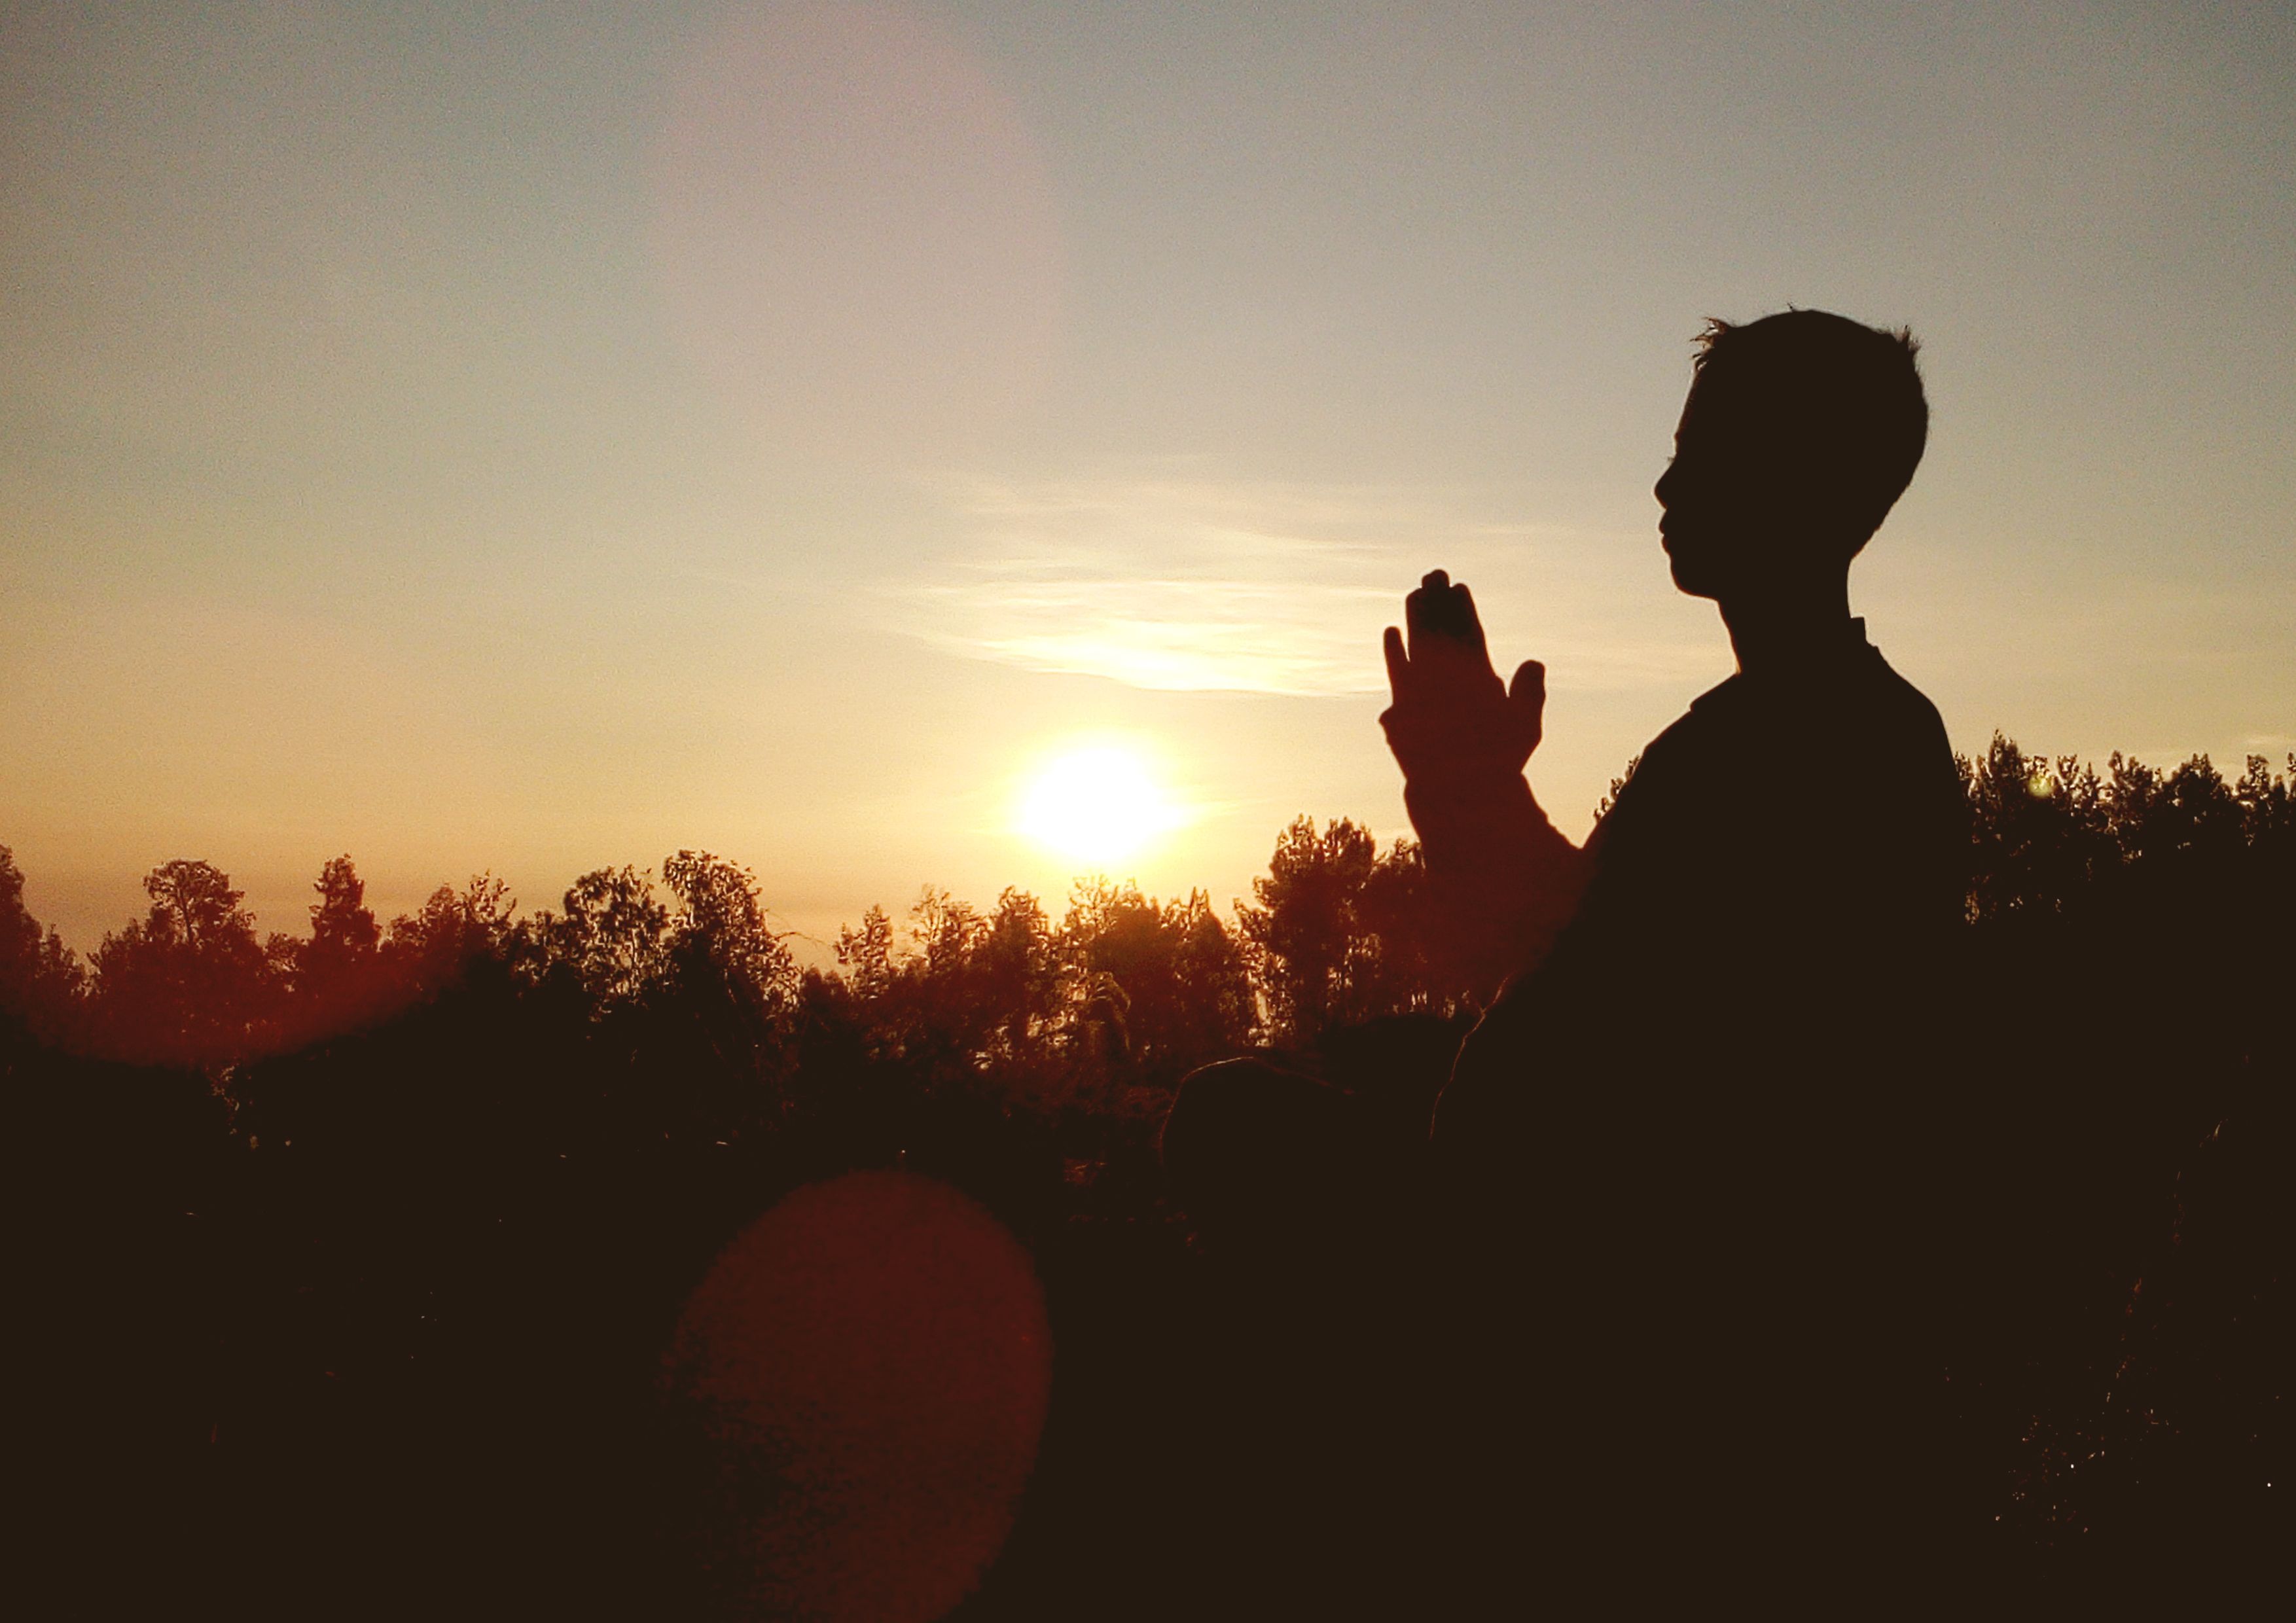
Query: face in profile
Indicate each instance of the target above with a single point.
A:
(1764, 492)
(1720, 516)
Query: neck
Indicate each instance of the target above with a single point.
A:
(1799, 625)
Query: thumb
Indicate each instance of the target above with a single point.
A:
(1526, 694)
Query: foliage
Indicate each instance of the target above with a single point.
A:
(1122, 991)
(41, 980)
(188, 984)
(1341, 935)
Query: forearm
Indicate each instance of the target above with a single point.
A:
(1503, 874)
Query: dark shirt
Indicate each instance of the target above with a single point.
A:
(1684, 1151)
(1778, 873)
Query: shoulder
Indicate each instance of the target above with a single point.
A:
(1714, 716)
(1901, 718)
(1909, 704)
(1908, 759)
(1660, 771)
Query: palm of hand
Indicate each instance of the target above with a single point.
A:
(1452, 717)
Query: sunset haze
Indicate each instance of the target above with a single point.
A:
(534, 439)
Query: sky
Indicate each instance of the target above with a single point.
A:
(540, 439)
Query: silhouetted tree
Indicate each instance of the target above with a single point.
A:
(434, 947)
(41, 980)
(1340, 934)
(1215, 1009)
(334, 976)
(1302, 935)
(1418, 967)
(1019, 982)
(866, 955)
(1610, 795)
(2267, 809)
(344, 935)
(718, 934)
(189, 983)
(1165, 987)
(2041, 832)
(613, 936)
(711, 1031)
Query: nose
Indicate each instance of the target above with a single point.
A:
(1665, 480)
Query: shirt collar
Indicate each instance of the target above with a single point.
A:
(1851, 647)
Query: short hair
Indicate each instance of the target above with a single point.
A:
(1846, 395)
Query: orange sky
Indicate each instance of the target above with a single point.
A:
(479, 437)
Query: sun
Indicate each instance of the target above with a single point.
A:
(1097, 803)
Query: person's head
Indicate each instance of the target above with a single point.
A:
(1801, 431)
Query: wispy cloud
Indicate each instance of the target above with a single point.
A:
(1179, 583)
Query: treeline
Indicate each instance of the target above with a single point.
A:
(1122, 990)
(2154, 902)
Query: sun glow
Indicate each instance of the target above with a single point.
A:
(1097, 803)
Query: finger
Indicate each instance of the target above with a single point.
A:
(1467, 626)
(1434, 611)
(1399, 664)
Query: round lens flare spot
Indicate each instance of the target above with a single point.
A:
(857, 1387)
(1098, 803)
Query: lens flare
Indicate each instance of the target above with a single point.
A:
(864, 1373)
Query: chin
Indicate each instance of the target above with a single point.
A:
(1687, 579)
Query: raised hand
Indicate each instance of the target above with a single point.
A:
(1451, 720)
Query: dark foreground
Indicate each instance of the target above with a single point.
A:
(344, 1381)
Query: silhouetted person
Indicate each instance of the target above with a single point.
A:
(1688, 1174)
